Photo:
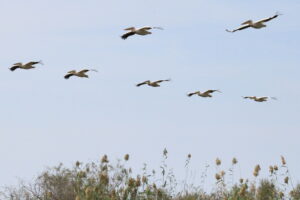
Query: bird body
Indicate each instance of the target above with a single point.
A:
(29, 65)
(259, 99)
(141, 31)
(81, 73)
(152, 84)
(203, 94)
(257, 25)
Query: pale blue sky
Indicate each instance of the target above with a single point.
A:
(46, 119)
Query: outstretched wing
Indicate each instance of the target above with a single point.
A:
(238, 29)
(126, 35)
(268, 19)
(143, 83)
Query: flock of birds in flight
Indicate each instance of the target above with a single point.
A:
(146, 31)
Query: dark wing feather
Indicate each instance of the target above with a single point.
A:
(126, 35)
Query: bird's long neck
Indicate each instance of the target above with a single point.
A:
(249, 22)
(131, 29)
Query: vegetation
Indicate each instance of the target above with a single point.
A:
(104, 181)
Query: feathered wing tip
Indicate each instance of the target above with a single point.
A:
(274, 98)
(278, 13)
(41, 62)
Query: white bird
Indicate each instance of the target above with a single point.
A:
(81, 73)
(203, 94)
(140, 31)
(29, 65)
(259, 99)
(257, 25)
(152, 84)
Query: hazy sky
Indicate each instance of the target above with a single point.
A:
(46, 119)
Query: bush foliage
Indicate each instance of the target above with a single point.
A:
(104, 181)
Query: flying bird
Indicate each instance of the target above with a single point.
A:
(29, 65)
(141, 31)
(257, 25)
(152, 84)
(259, 99)
(81, 73)
(203, 94)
